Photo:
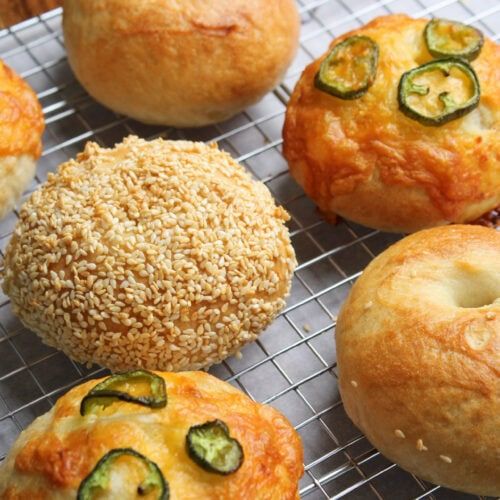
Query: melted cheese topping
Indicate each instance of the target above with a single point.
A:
(61, 448)
(354, 156)
(21, 117)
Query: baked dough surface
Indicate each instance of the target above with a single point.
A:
(418, 350)
(21, 118)
(53, 456)
(181, 63)
(161, 255)
(21, 127)
(366, 161)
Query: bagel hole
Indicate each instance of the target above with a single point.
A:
(472, 289)
(470, 300)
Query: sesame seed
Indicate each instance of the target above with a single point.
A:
(165, 255)
(368, 305)
(399, 433)
(354, 383)
(446, 459)
(490, 315)
(307, 328)
(421, 446)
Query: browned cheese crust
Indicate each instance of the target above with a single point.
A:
(21, 127)
(366, 161)
(21, 117)
(418, 343)
(182, 63)
(52, 457)
(161, 254)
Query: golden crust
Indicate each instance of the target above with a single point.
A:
(16, 172)
(15, 12)
(367, 161)
(418, 344)
(21, 117)
(21, 127)
(186, 63)
(59, 449)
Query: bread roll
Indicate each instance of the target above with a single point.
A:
(55, 454)
(418, 347)
(183, 63)
(15, 12)
(163, 254)
(365, 160)
(21, 127)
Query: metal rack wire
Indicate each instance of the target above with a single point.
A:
(292, 366)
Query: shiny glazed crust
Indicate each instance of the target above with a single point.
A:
(418, 344)
(366, 161)
(53, 456)
(182, 63)
(21, 127)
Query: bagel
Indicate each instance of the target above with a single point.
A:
(367, 161)
(161, 255)
(182, 63)
(56, 453)
(418, 347)
(21, 127)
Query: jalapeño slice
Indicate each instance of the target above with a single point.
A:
(211, 447)
(349, 70)
(450, 38)
(439, 91)
(139, 387)
(100, 481)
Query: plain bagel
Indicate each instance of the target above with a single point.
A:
(183, 63)
(418, 344)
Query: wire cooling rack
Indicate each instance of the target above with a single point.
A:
(292, 366)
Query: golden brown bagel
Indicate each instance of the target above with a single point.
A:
(52, 457)
(162, 254)
(185, 63)
(21, 127)
(418, 346)
(365, 160)
(15, 12)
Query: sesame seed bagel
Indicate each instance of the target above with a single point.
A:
(163, 255)
(21, 127)
(418, 344)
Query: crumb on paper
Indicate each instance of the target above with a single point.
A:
(307, 327)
